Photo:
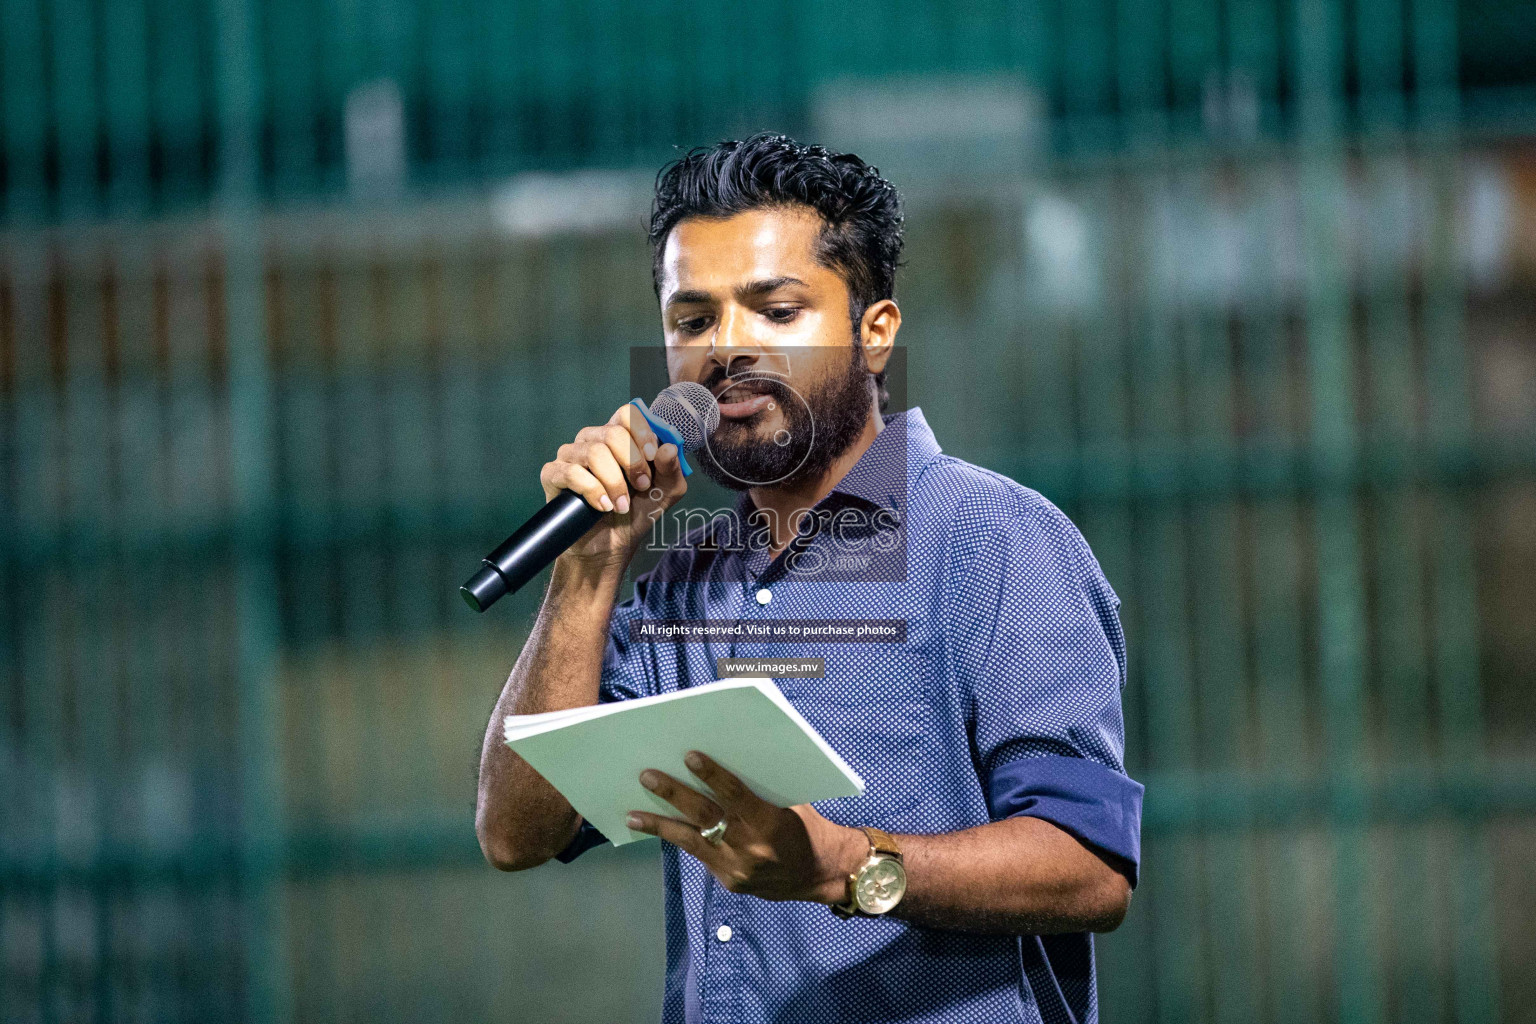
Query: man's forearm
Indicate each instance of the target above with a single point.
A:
(521, 819)
(1020, 876)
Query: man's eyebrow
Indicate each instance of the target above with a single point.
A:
(765, 286)
(678, 298)
(748, 290)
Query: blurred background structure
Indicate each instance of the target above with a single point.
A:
(295, 297)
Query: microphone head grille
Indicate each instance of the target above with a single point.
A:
(690, 409)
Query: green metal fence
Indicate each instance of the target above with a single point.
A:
(282, 332)
(122, 108)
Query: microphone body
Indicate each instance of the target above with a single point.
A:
(562, 521)
(683, 414)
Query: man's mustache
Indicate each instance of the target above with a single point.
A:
(748, 385)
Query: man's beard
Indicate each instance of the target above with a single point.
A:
(738, 458)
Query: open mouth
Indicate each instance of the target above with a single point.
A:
(743, 399)
(749, 405)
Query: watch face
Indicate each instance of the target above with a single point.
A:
(881, 886)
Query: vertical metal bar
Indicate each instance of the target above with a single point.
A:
(407, 371)
(409, 368)
(23, 76)
(1194, 53)
(1087, 76)
(502, 52)
(87, 512)
(292, 47)
(1413, 934)
(1180, 954)
(177, 66)
(1340, 570)
(1291, 994)
(13, 792)
(343, 65)
(667, 118)
(511, 378)
(459, 490)
(787, 80)
(17, 906)
(448, 78)
(125, 99)
(138, 431)
(195, 731)
(559, 339)
(303, 513)
(257, 626)
(89, 523)
(1379, 48)
(393, 29)
(351, 711)
(117, 889)
(1164, 391)
(555, 65)
(1218, 603)
(1253, 53)
(464, 399)
(711, 26)
(149, 418)
(1103, 406)
(75, 115)
(1104, 424)
(1459, 689)
(452, 311)
(1141, 84)
(1282, 751)
(1045, 365)
(1047, 58)
(34, 516)
(344, 376)
(1406, 740)
(1028, 41)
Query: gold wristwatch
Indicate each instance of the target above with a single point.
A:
(878, 884)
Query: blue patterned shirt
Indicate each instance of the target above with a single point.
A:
(1002, 699)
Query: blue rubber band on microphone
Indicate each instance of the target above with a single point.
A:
(666, 433)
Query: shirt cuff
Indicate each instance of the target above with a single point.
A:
(586, 837)
(1097, 804)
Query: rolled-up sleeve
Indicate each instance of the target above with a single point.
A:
(627, 673)
(1036, 650)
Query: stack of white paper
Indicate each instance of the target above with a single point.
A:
(594, 755)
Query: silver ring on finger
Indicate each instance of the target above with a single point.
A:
(715, 834)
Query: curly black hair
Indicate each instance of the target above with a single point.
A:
(861, 236)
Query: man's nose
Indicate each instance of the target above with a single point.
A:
(733, 345)
(733, 331)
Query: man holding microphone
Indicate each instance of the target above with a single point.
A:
(998, 828)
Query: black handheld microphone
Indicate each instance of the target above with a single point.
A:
(683, 414)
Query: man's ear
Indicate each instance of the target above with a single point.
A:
(877, 333)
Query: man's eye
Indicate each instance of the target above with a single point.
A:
(788, 314)
(693, 326)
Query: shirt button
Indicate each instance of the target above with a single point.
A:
(764, 596)
(723, 933)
